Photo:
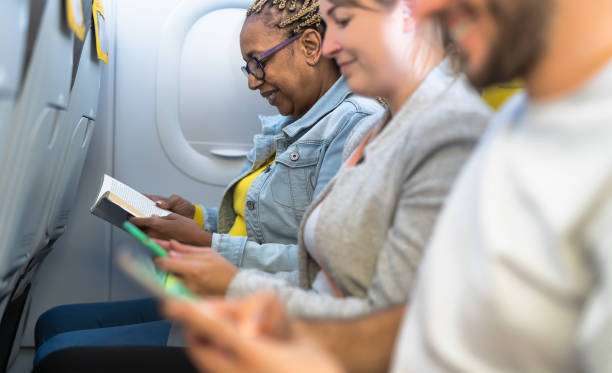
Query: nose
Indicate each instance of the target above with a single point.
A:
(426, 8)
(331, 46)
(253, 82)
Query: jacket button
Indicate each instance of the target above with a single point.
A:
(250, 205)
(294, 156)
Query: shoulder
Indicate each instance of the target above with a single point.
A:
(353, 112)
(458, 115)
(363, 105)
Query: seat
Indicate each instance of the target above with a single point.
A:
(14, 19)
(30, 159)
(32, 149)
(74, 133)
(80, 121)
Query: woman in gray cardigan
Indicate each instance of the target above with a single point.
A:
(363, 237)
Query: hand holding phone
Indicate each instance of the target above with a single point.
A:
(145, 240)
(142, 274)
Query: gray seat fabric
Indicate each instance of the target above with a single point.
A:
(47, 140)
(33, 147)
(78, 123)
(14, 19)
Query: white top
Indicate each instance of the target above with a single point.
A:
(518, 275)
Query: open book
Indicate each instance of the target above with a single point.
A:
(117, 202)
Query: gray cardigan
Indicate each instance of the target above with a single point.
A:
(377, 217)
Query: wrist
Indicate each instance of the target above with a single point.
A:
(191, 211)
(204, 239)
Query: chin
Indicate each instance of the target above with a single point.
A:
(283, 112)
(477, 68)
(357, 84)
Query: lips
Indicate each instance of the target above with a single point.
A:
(345, 64)
(270, 96)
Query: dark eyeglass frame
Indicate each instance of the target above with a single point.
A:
(257, 64)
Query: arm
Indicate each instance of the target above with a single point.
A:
(243, 331)
(417, 209)
(235, 337)
(338, 338)
(269, 257)
(299, 302)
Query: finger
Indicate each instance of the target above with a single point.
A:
(142, 222)
(270, 318)
(154, 223)
(263, 314)
(163, 243)
(198, 318)
(171, 216)
(174, 254)
(173, 201)
(155, 198)
(177, 266)
(161, 202)
(155, 234)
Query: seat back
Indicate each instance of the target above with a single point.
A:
(31, 154)
(14, 19)
(79, 123)
(58, 168)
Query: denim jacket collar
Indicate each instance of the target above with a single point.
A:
(265, 143)
(326, 104)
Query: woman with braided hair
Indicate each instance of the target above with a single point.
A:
(362, 238)
(293, 159)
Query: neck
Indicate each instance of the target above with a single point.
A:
(580, 46)
(330, 77)
(408, 83)
(327, 78)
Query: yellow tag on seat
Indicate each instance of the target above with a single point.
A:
(100, 27)
(75, 17)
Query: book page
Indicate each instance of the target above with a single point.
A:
(137, 200)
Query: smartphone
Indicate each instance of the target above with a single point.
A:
(142, 273)
(145, 240)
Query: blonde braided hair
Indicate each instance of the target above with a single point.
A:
(297, 14)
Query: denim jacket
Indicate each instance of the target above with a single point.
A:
(308, 152)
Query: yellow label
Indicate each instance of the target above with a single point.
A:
(75, 17)
(100, 27)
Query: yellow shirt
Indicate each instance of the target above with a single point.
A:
(497, 96)
(240, 195)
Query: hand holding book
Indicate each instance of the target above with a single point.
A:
(117, 202)
(174, 203)
(175, 227)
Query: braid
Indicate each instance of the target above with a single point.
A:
(297, 15)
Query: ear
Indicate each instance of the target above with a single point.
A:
(310, 45)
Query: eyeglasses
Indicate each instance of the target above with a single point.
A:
(255, 65)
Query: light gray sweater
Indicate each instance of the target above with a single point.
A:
(378, 215)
